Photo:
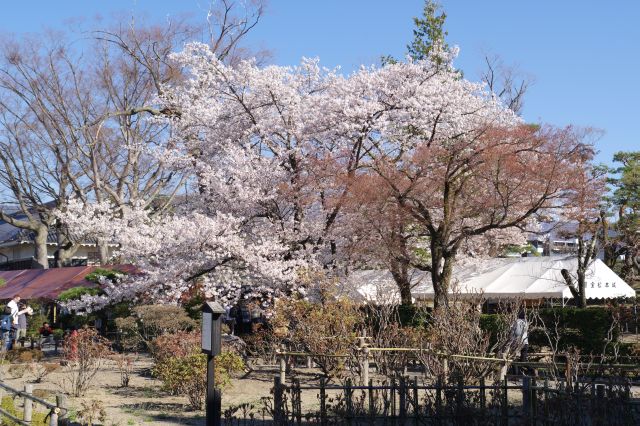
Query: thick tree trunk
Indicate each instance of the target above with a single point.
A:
(441, 271)
(66, 254)
(103, 251)
(582, 301)
(41, 253)
(400, 273)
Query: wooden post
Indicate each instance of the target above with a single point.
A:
(460, 395)
(392, 396)
(283, 368)
(323, 402)
(445, 368)
(309, 362)
(28, 404)
(61, 402)
(600, 391)
(296, 401)
(503, 367)
(403, 400)
(534, 402)
(53, 417)
(483, 394)
(505, 402)
(364, 350)
(372, 406)
(277, 401)
(439, 398)
(526, 399)
(416, 401)
(348, 394)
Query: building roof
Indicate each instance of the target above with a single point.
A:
(48, 283)
(528, 278)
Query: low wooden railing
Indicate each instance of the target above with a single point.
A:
(501, 362)
(57, 412)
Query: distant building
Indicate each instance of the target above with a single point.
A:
(554, 240)
(17, 249)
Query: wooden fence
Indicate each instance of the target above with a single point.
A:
(558, 363)
(56, 412)
(407, 402)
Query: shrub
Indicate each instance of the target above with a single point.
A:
(84, 352)
(587, 329)
(41, 370)
(182, 368)
(91, 412)
(384, 328)
(463, 330)
(76, 293)
(151, 321)
(129, 336)
(125, 364)
(24, 355)
(328, 328)
(58, 334)
(99, 273)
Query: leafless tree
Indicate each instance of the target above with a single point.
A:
(506, 81)
(74, 120)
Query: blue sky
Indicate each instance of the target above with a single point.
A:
(583, 54)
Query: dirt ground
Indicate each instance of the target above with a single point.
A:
(143, 401)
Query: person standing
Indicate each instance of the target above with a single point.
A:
(14, 309)
(520, 337)
(21, 331)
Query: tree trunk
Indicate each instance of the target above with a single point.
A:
(103, 251)
(441, 271)
(400, 273)
(41, 253)
(582, 301)
(66, 253)
(569, 281)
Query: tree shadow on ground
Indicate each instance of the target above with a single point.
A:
(136, 391)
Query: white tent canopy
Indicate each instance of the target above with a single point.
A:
(527, 278)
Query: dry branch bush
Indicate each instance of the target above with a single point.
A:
(85, 352)
(182, 367)
(262, 344)
(384, 330)
(40, 371)
(326, 328)
(457, 331)
(91, 412)
(569, 362)
(125, 364)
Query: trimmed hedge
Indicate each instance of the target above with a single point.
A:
(585, 329)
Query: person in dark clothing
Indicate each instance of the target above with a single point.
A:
(45, 330)
(21, 329)
(46, 334)
(520, 338)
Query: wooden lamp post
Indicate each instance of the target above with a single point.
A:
(211, 345)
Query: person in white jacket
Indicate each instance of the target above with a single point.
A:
(15, 310)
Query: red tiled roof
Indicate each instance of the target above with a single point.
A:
(48, 283)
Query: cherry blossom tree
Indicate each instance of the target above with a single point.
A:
(277, 156)
(460, 163)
